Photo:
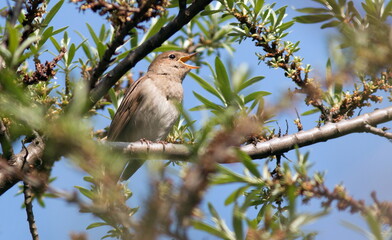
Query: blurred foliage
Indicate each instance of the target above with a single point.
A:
(47, 100)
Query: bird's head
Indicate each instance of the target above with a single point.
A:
(172, 63)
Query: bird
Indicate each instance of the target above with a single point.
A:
(148, 110)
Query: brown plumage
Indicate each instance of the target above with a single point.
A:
(148, 110)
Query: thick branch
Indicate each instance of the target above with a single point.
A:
(272, 147)
(28, 158)
(145, 48)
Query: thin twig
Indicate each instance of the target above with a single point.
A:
(28, 195)
(380, 132)
(117, 41)
(16, 12)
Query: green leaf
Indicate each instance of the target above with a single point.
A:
(314, 110)
(208, 228)
(13, 38)
(89, 179)
(213, 211)
(223, 81)
(333, 23)
(249, 82)
(113, 98)
(59, 30)
(387, 11)
(259, 4)
(237, 222)
(71, 54)
(207, 102)
(249, 164)
(204, 84)
(198, 108)
(85, 192)
(45, 35)
(285, 26)
(168, 47)
(93, 35)
(134, 38)
(313, 18)
(52, 13)
(156, 25)
(313, 10)
(101, 48)
(236, 194)
(210, 12)
(335, 7)
(41, 201)
(96, 224)
(18, 53)
(87, 51)
(227, 176)
(102, 32)
(374, 225)
(255, 95)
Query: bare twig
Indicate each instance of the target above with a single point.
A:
(15, 12)
(117, 41)
(28, 195)
(380, 132)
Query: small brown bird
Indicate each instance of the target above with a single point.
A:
(148, 110)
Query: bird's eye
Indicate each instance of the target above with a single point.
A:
(172, 56)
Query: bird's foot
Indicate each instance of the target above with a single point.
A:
(143, 140)
(164, 143)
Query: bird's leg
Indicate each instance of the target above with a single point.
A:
(164, 143)
(148, 142)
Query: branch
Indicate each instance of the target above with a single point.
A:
(117, 41)
(16, 12)
(272, 147)
(145, 48)
(322, 134)
(14, 171)
(5, 141)
(378, 131)
(28, 194)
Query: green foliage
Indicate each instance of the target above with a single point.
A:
(259, 189)
(265, 197)
(230, 92)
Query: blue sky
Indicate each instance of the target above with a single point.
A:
(360, 161)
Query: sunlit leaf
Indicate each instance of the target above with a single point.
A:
(96, 224)
(313, 18)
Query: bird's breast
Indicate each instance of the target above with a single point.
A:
(158, 112)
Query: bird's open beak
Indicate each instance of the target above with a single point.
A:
(186, 58)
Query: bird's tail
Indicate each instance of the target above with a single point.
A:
(131, 169)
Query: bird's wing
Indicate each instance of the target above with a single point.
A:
(128, 107)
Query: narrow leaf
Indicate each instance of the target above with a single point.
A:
(204, 84)
(97, 224)
(222, 78)
(52, 13)
(313, 18)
